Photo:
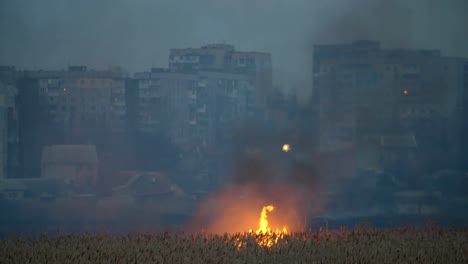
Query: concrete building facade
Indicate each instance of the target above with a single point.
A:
(9, 138)
(363, 92)
(73, 106)
(74, 164)
(224, 58)
(464, 129)
(192, 107)
(83, 101)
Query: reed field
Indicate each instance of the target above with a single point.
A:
(401, 245)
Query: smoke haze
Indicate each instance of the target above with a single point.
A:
(139, 34)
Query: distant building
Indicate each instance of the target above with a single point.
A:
(84, 102)
(12, 189)
(464, 129)
(213, 57)
(196, 110)
(192, 108)
(73, 106)
(9, 137)
(75, 164)
(149, 186)
(363, 91)
(398, 154)
(224, 58)
(37, 189)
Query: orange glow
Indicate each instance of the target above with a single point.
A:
(267, 237)
(254, 211)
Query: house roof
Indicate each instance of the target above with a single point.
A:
(69, 154)
(148, 183)
(399, 141)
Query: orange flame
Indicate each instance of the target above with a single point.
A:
(263, 222)
(265, 236)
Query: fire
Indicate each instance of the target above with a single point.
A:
(264, 235)
(267, 237)
(263, 222)
(251, 213)
(286, 148)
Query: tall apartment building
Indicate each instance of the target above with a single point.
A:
(73, 106)
(363, 92)
(192, 108)
(464, 130)
(82, 101)
(224, 58)
(196, 110)
(8, 123)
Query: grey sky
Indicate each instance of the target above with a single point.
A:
(137, 34)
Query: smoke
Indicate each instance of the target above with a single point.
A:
(139, 34)
(262, 174)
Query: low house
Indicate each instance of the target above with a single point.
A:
(43, 189)
(75, 164)
(149, 186)
(12, 189)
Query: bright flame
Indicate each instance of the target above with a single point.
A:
(286, 147)
(264, 236)
(263, 222)
(267, 237)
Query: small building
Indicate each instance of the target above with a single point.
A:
(77, 165)
(12, 189)
(39, 189)
(149, 186)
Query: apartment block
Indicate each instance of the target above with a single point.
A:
(363, 92)
(9, 138)
(225, 58)
(192, 107)
(84, 102)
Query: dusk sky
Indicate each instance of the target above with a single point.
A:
(138, 34)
